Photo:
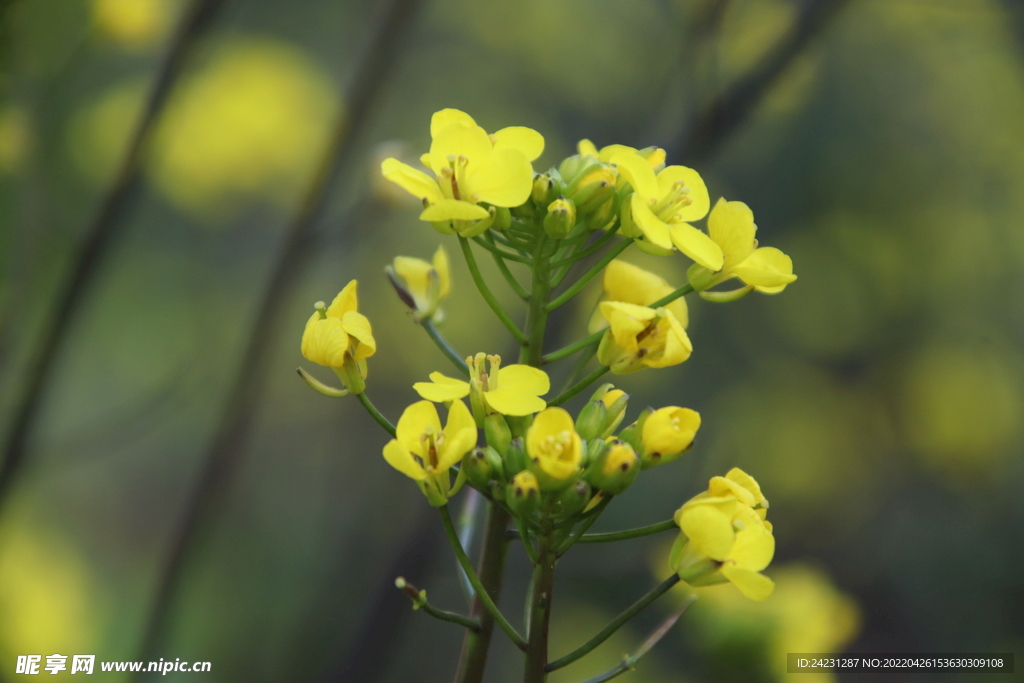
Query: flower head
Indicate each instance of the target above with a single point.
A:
(666, 433)
(422, 285)
(766, 269)
(423, 451)
(725, 536)
(470, 167)
(633, 285)
(340, 338)
(662, 205)
(641, 337)
(554, 446)
(510, 390)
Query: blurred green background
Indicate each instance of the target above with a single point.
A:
(879, 400)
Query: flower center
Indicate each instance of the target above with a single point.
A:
(678, 197)
(557, 445)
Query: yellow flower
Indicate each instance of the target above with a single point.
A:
(634, 285)
(554, 446)
(641, 337)
(666, 433)
(655, 156)
(422, 285)
(424, 452)
(661, 206)
(510, 390)
(470, 167)
(725, 536)
(340, 338)
(766, 269)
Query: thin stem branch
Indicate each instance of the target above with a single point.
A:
(446, 349)
(474, 270)
(582, 528)
(509, 277)
(669, 298)
(589, 275)
(419, 601)
(597, 374)
(592, 249)
(524, 535)
(615, 624)
(498, 252)
(561, 353)
(481, 592)
(631, 533)
(375, 414)
(467, 525)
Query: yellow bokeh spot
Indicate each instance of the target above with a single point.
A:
(962, 407)
(133, 23)
(15, 138)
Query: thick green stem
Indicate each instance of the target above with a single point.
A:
(616, 624)
(532, 351)
(447, 350)
(597, 374)
(485, 291)
(540, 611)
(375, 414)
(589, 275)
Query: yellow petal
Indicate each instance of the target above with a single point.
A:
(416, 273)
(608, 152)
(755, 586)
(509, 401)
(526, 140)
(700, 201)
(443, 271)
(626, 321)
(401, 459)
(505, 178)
(446, 117)
(656, 232)
(748, 482)
(586, 148)
(709, 530)
(459, 139)
(697, 246)
(453, 210)
(347, 300)
(633, 285)
(638, 173)
(414, 422)
(731, 226)
(677, 344)
(755, 545)
(358, 326)
(460, 435)
(459, 418)
(669, 430)
(325, 342)
(442, 388)
(720, 486)
(767, 269)
(524, 378)
(416, 183)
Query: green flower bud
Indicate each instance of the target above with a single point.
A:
(573, 499)
(572, 168)
(502, 219)
(592, 420)
(519, 424)
(615, 469)
(478, 468)
(561, 218)
(497, 432)
(523, 494)
(633, 434)
(516, 459)
(616, 401)
(546, 188)
(603, 216)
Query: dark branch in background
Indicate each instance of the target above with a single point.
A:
(731, 108)
(1014, 10)
(226, 448)
(96, 242)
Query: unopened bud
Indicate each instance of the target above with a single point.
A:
(478, 468)
(516, 459)
(668, 433)
(592, 420)
(546, 188)
(523, 494)
(616, 401)
(602, 217)
(573, 167)
(615, 469)
(502, 219)
(497, 432)
(573, 499)
(561, 218)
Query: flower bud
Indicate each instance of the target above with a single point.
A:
(616, 401)
(602, 217)
(515, 459)
(592, 420)
(573, 499)
(667, 434)
(523, 493)
(421, 285)
(633, 433)
(502, 219)
(479, 469)
(497, 432)
(572, 168)
(519, 424)
(615, 469)
(561, 218)
(546, 188)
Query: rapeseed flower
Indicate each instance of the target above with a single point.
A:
(766, 269)
(633, 285)
(341, 338)
(510, 390)
(554, 447)
(641, 337)
(420, 284)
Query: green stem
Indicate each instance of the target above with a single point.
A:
(631, 533)
(478, 279)
(420, 602)
(665, 300)
(597, 374)
(592, 249)
(582, 529)
(375, 414)
(561, 353)
(540, 611)
(447, 350)
(481, 592)
(491, 247)
(494, 549)
(616, 624)
(589, 275)
(509, 277)
(524, 535)
(532, 350)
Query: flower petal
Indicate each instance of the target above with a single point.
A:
(678, 346)
(325, 342)
(656, 232)
(505, 178)
(417, 183)
(509, 401)
(358, 326)
(459, 139)
(524, 378)
(608, 152)
(443, 271)
(526, 140)
(700, 201)
(767, 269)
(441, 389)
(626, 321)
(635, 169)
(414, 422)
(731, 226)
(446, 117)
(755, 545)
(453, 210)
(401, 459)
(347, 300)
(697, 246)
(755, 586)
(586, 148)
(709, 530)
